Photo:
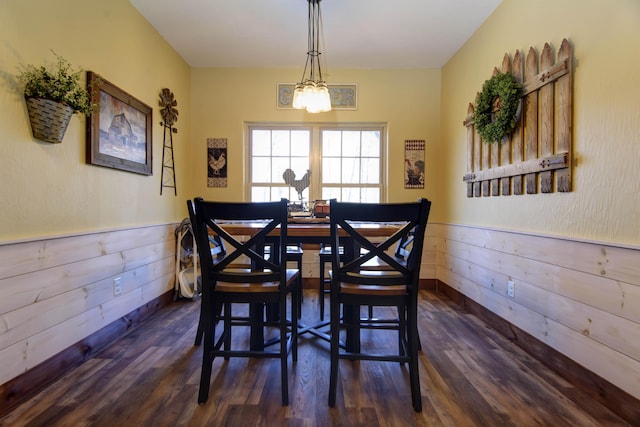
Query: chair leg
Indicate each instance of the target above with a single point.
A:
(227, 328)
(334, 315)
(300, 298)
(295, 315)
(205, 378)
(284, 382)
(419, 343)
(321, 290)
(414, 373)
(200, 330)
(403, 335)
(207, 358)
(201, 323)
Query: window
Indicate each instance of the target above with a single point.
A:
(309, 162)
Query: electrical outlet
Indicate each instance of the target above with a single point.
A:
(117, 286)
(511, 289)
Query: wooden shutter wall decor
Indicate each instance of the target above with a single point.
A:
(536, 156)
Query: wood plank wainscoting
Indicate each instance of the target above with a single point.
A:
(575, 306)
(57, 302)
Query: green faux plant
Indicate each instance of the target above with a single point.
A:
(61, 84)
(495, 125)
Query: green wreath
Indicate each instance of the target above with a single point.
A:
(493, 127)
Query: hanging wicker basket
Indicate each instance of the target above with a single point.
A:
(49, 119)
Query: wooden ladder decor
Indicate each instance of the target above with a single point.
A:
(537, 153)
(169, 114)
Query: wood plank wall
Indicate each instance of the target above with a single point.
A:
(56, 292)
(580, 298)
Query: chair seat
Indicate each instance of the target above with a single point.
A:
(376, 275)
(354, 289)
(294, 250)
(255, 287)
(326, 251)
(377, 264)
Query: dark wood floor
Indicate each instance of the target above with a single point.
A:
(470, 376)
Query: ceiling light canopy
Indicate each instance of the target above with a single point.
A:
(312, 93)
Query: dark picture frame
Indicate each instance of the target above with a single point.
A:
(119, 134)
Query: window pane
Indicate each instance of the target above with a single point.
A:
(300, 165)
(261, 143)
(281, 142)
(300, 142)
(351, 143)
(370, 195)
(331, 170)
(331, 143)
(371, 143)
(351, 194)
(331, 193)
(278, 193)
(370, 173)
(279, 165)
(350, 171)
(261, 169)
(260, 194)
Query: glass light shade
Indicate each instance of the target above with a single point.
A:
(298, 97)
(312, 96)
(308, 91)
(323, 98)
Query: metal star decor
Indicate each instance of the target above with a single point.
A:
(168, 112)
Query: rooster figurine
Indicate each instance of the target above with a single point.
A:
(289, 177)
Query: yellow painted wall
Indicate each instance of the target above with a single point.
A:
(224, 99)
(605, 202)
(48, 189)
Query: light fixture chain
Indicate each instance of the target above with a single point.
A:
(312, 92)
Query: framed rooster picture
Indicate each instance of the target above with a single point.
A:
(414, 163)
(217, 162)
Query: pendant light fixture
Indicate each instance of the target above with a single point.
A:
(312, 93)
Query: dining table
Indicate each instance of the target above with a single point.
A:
(310, 230)
(305, 230)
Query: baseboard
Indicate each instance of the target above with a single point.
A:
(23, 387)
(617, 400)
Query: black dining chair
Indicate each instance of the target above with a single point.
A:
(266, 282)
(396, 285)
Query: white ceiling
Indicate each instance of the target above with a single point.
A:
(357, 33)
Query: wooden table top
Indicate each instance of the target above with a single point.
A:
(316, 228)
